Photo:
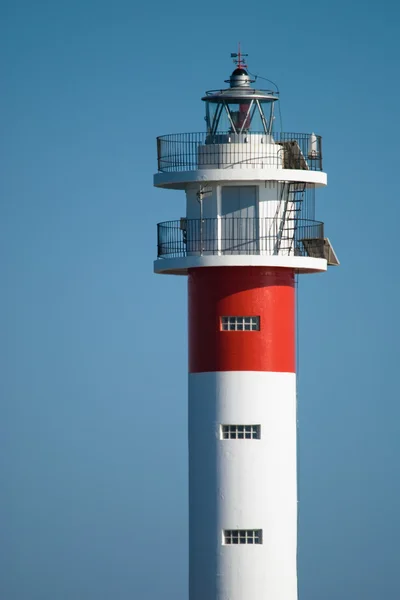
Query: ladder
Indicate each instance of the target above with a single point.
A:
(288, 212)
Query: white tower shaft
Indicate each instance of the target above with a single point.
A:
(242, 485)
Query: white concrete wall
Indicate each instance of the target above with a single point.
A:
(243, 151)
(242, 484)
(210, 201)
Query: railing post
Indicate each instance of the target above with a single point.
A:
(201, 223)
(159, 154)
(320, 152)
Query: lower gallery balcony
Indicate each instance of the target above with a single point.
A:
(224, 236)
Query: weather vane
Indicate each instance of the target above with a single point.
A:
(238, 58)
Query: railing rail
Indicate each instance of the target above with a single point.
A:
(225, 235)
(192, 151)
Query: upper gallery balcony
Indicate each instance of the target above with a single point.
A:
(179, 152)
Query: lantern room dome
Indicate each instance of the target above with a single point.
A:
(239, 71)
(239, 78)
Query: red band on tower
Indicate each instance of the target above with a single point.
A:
(268, 293)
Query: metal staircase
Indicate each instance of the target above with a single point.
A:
(287, 214)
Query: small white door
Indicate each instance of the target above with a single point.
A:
(239, 223)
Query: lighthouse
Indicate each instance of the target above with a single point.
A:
(248, 231)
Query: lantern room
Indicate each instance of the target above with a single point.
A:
(240, 109)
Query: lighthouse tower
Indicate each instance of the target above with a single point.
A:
(249, 229)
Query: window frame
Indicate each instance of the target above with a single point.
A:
(240, 432)
(239, 323)
(242, 537)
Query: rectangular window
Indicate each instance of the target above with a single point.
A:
(240, 432)
(240, 323)
(242, 536)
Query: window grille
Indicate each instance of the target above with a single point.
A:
(242, 536)
(240, 432)
(240, 323)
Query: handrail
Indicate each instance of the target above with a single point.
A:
(193, 151)
(240, 235)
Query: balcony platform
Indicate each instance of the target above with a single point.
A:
(179, 180)
(181, 265)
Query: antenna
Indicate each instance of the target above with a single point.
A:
(238, 58)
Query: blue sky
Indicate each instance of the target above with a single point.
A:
(93, 345)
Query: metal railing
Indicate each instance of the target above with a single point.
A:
(225, 235)
(192, 151)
